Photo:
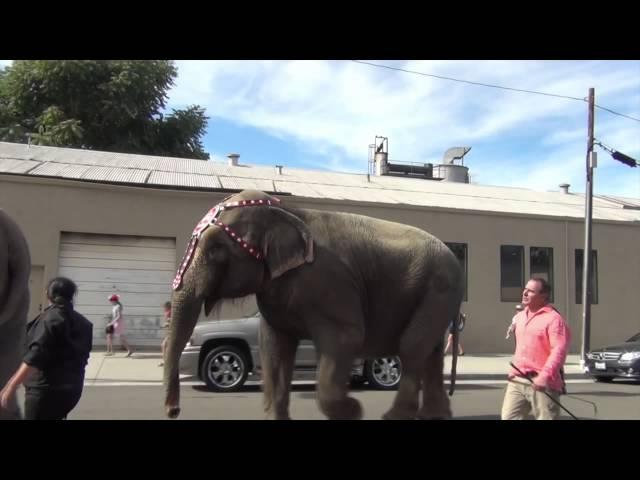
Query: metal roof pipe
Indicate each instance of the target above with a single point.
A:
(233, 159)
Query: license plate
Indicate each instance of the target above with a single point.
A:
(601, 366)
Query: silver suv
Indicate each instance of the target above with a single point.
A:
(225, 354)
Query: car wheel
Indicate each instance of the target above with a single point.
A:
(383, 373)
(603, 379)
(225, 369)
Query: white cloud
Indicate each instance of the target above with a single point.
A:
(335, 108)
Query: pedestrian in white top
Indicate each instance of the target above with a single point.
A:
(116, 326)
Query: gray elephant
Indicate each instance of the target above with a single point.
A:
(358, 287)
(15, 267)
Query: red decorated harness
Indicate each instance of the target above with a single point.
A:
(211, 218)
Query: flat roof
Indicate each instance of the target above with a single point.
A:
(180, 173)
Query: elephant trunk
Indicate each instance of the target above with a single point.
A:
(185, 309)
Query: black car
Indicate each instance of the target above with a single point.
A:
(615, 361)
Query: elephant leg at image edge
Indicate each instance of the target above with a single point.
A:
(277, 354)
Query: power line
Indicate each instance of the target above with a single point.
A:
(492, 86)
(616, 113)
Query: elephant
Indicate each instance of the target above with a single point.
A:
(356, 286)
(15, 268)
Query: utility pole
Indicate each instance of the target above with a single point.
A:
(586, 257)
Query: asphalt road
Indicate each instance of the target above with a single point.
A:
(480, 401)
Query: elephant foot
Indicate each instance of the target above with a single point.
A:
(435, 406)
(271, 415)
(420, 417)
(346, 409)
(432, 414)
(172, 411)
(399, 414)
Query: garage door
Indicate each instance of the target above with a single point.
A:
(139, 269)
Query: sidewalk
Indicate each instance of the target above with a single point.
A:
(140, 367)
(143, 367)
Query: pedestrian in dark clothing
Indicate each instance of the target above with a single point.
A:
(59, 341)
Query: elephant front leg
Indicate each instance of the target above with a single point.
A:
(333, 379)
(277, 355)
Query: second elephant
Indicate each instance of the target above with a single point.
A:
(15, 267)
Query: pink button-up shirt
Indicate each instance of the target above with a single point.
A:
(542, 341)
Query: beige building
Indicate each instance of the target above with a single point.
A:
(118, 223)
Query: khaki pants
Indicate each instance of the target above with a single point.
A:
(520, 399)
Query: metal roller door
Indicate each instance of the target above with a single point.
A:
(139, 269)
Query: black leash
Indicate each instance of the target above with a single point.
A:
(543, 391)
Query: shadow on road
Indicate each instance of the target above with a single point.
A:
(308, 391)
(255, 388)
(477, 417)
(606, 394)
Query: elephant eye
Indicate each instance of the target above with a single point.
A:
(216, 252)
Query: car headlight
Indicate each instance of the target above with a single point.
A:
(590, 356)
(629, 356)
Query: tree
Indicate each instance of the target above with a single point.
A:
(114, 105)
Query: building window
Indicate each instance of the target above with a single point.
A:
(593, 281)
(511, 273)
(460, 251)
(541, 265)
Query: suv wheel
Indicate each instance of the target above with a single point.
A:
(225, 369)
(383, 373)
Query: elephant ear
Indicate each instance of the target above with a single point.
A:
(287, 243)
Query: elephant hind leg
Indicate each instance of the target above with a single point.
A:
(277, 355)
(421, 345)
(435, 402)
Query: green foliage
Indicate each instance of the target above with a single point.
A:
(113, 105)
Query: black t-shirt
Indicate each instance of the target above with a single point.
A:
(59, 341)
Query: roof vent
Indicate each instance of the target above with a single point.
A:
(564, 187)
(233, 159)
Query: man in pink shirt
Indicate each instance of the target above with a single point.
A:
(542, 341)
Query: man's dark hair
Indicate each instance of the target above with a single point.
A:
(61, 290)
(545, 288)
(167, 305)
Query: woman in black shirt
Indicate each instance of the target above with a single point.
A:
(59, 341)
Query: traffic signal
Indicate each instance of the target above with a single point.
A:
(621, 157)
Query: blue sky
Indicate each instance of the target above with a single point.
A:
(324, 115)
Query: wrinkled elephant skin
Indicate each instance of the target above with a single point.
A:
(358, 287)
(15, 268)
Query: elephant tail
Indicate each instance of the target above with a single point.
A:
(454, 356)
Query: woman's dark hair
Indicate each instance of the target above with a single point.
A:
(61, 290)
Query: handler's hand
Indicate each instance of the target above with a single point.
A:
(537, 387)
(6, 396)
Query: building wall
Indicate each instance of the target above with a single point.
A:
(46, 207)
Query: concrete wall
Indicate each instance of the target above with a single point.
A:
(46, 207)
